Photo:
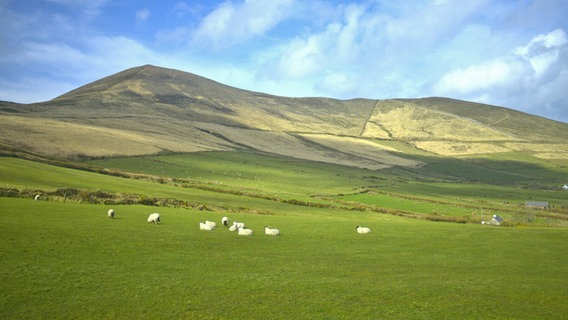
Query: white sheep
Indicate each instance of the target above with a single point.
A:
(36, 197)
(233, 227)
(245, 232)
(205, 226)
(271, 231)
(239, 224)
(362, 230)
(154, 217)
(225, 221)
(110, 213)
(211, 223)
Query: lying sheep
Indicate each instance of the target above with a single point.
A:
(110, 213)
(271, 231)
(211, 223)
(233, 227)
(362, 230)
(205, 226)
(245, 232)
(225, 221)
(154, 217)
(239, 224)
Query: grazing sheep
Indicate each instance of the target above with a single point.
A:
(205, 226)
(245, 232)
(233, 227)
(271, 231)
(362, 230)
(36, 197)
(225, 221)
(211, 223)
(110, 213)
(154, 217)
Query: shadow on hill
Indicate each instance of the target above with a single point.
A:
(486, 171)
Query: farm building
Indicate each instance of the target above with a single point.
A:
(495, 220)
(537, 204)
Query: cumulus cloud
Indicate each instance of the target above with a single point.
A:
(232, 23)
(336, 46)
(384, 45)
(529, 77)
(480, 77)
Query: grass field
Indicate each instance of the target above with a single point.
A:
(66, 260)
(62, 258)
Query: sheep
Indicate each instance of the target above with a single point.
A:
(211, 223)
(225, 221)
(271, 231)
(233, 227)
(110, 213)
(36, 197)
(154, 217)
(245, 232)
(205, 226)
(362, 230)
(239, 224)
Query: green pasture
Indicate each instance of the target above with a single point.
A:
(309, 181)
(505, 169)
(279, 175)
(249, 182)
(62, 258)
(69, 261)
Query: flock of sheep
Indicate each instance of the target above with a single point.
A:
(236, 226)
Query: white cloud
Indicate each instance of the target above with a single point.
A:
(543, 51)
(232, 23)
(335, 47)
(530, 77)
(478, 77)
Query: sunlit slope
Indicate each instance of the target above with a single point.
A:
(153, 110)
(459, 128)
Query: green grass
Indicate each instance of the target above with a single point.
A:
(65, 260)
(246, 171)
(466, 198)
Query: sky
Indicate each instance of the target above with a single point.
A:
(511, 53)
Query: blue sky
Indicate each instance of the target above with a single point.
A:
(506, 53)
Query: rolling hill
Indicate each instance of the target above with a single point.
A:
(152, 110)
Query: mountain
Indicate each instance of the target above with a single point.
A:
(152, 110)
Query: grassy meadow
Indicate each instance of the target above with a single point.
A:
(62, 257)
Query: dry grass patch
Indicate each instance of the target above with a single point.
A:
(412, 122)
(64, 139)
(449, 148)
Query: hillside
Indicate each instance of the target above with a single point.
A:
(152, 110)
